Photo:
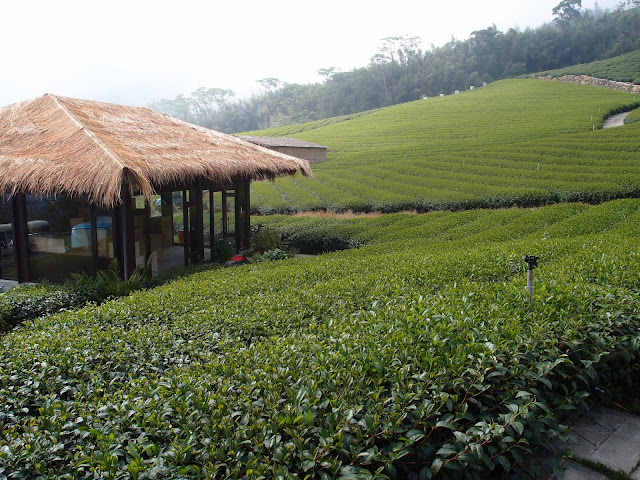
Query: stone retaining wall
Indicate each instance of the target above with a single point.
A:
(596, 82)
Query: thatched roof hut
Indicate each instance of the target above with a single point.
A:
(84, 182)
(54, 144)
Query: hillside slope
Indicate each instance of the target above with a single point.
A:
(515, 142)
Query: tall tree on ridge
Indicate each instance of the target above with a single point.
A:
(566, 11)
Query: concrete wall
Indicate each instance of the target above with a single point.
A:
(313, 155)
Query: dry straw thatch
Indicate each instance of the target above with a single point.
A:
(54, 144)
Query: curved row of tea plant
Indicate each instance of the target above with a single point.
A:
(28, 302)
(416, 355)
(513, 143)
(31, 301)
(633, 117)
(623, 68)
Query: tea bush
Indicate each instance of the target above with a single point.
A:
(5, 313)
(415, 356)
(31, 301)
(27, 302)
(264, 238)
(271, 255)
(313, 242)
(221, 250)
(633, 117)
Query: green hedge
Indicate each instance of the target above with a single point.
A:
(27, 302)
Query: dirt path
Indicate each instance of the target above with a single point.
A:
(615, 120)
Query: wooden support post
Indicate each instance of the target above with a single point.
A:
(94, 239)
(186, 236)
(197, 224)
(247, 214)
(21, 236)
(126, 236)
(147, 230)
(225, 228)
(212, 223)
(237, 211)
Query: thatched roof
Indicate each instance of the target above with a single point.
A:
(280, 142)
(53, 144)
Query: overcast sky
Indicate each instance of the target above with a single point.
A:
(136, 51)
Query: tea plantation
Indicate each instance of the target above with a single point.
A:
(414, 356)
(512, 143)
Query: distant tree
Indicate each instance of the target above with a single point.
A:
(208, 104)
(205, 106)
(486, 50)
(328, 73)
(566, 11)
(270, 84)
(179, 107)
(390, 46)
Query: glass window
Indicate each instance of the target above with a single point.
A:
(8, 264)
(196, 217)
(207, 218)
(166, 230)
(104, 238)
(243, 219)
(59, 237)
(140, 228)
(228, 213)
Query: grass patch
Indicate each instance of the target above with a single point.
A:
(603, 469)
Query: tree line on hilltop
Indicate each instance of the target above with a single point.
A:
(402, 71)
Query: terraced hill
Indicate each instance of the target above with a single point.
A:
(514, 142)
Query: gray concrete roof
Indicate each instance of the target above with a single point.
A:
(279, 142)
